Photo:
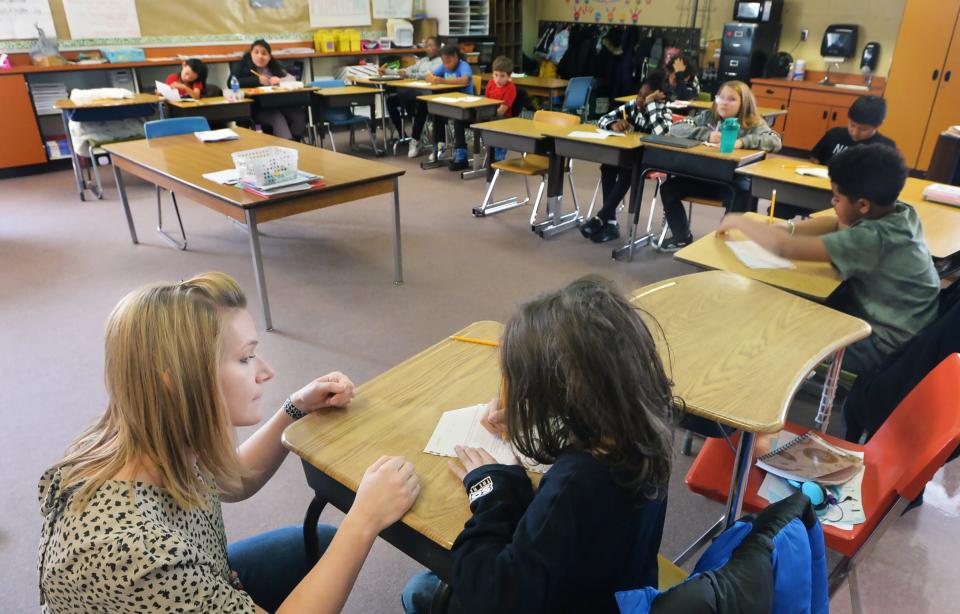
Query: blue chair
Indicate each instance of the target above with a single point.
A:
(577, 97)
(340, 117)
(173, 127)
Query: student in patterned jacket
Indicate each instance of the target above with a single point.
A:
(648, 113)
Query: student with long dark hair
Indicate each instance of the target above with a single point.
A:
(259, 68)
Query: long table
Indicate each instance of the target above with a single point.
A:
(178, 163)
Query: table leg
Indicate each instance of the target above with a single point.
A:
(383, 118)
(477, 170)
(254, 235)
(636, 203)
(738, 480)
(829, 392)
(556, 221)
(118, 176)
(397, 252)
(73, 154)
(160, 109)
(310, 521)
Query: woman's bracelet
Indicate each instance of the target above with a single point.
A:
(292, 410)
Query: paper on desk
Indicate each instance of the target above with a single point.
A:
(224, 177)
(448, 99)
(610, 132)
(813, 171)
(753, 256)
(169, 93)
(845, 515)
(461, 427)
(214, 136)
(418, 84)
(290, 85)
(583, 134)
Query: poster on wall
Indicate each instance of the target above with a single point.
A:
(339, 13)
(102, 18)
(392, 9)
(19, 18)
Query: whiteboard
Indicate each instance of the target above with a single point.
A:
(337, 13)
(385, 9)
(17, 18)
(102, 18)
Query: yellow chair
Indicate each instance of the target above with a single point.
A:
(529, 165)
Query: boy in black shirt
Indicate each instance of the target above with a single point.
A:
(866, 115)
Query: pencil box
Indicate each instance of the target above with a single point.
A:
(942, 193)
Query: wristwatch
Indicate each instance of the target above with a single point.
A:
(292, 410)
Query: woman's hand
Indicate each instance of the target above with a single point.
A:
(264, 80)
(403, 73)
(738, 144)
(470, 459)
(714, 137)
(730, 221)
(330, 390)
(387, 490)
(679, 65)
(432, 78)
(382, 68)
(618, 126)
(274, 81)
(494, 418)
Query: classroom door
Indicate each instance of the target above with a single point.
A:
(806, 123)
(918, 62)
(22, 144)
(946, 107)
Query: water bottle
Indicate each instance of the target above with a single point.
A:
(729, 132)
(235, 93)
(799, 70)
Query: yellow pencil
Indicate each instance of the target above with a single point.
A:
(477, 341)
(255, 73)
(773, 205)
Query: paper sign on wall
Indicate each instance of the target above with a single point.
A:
(102, 18)
(18, 17)
(386, 9)
(339, 13)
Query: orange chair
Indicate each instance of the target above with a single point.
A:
(900, 459)
(529, 165)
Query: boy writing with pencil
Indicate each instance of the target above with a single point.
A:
(875, 243)
(502, 88)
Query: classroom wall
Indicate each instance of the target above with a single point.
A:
(879, 20)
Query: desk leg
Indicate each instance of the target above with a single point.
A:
(254, 235)
(437, 136)
(738, 480)
(636, 204)
(829, 392)
(118, 176)
(383, 118)
(556, 221)
(73, 155)
(397, 252)
(477, 170)
(310, 521)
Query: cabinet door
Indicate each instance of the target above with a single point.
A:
(774, 103)
(946, 109)
(806, 123)
(21, 144)
(918, 64)
(838, 117)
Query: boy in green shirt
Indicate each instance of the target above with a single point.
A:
(876, 244)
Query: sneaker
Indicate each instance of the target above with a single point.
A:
(591, 228)
(674, 244)
(432, 157)
(459, 160)
(609, 232)
(414, 150)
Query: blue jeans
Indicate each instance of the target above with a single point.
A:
(417, 595)
(270, 565)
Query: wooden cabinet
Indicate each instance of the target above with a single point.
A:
(779, 121)
(922, 85)
(806, 123)
(506, 18)
(21, 134)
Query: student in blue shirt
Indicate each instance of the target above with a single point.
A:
(455, 70)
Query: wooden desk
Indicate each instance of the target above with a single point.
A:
(177, 163)
(346, 97)
(767, 113)
(215, 109)
(279, 97)
(395, 413)
(423, 87)
(814, 280)
(941, 223)
(470, 112)
(737, 350)
(85, 112)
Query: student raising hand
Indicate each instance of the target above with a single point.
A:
(330, 390)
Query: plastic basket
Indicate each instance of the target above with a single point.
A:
(266, 166)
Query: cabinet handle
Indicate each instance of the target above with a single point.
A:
(946, 76)
(824, 115)
(834, 116)
(936, 73)
(769, 91)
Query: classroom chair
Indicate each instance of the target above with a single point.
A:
(172, 127)
(577, 97)
(528, 165)
(901, 457)
(340, 118)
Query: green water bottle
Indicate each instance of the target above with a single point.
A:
(729, 132)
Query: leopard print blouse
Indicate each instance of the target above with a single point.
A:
(132, 549)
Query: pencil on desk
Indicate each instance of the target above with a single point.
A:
(477, 341)
(773, 205)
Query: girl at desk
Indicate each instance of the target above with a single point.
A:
(132, 518)
(189, 81)
(259, 68)
(733, 100)
(585, 391)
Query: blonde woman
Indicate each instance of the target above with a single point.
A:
(733, 100)
(132, 518)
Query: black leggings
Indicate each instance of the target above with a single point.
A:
(675, 189)
(615, 182)
(395, 103)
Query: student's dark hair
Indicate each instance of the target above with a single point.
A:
(435, 39)
(654, 79)
(581, 371)
(868, 110)
(502, 64)
(873, 172)
(274, 66)
(197, 66)
(450, 50)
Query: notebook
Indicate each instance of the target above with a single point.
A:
(215, 136)
(753, 256)
(809, 458)
(670, 141)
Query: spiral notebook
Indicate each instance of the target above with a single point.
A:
(809, 458)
